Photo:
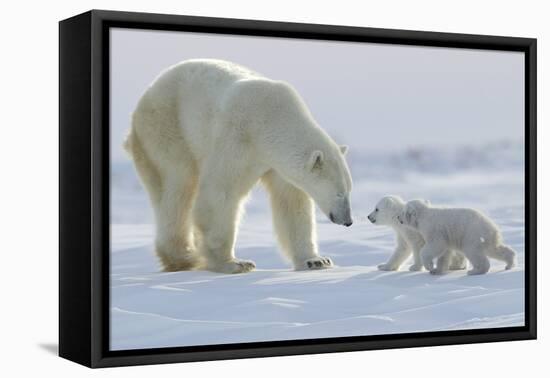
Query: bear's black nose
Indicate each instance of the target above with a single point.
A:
(348, 224)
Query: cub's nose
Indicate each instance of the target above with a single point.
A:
(348, 224)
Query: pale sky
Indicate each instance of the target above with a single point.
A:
(369, 96)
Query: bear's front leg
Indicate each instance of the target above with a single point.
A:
(294, 221)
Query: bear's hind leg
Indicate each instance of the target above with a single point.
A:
(294, 221)
(216, 222)
(216, 217)
(174, 242)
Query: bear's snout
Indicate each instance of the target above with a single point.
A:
(342, 220)
(346, 223)
(340, 212)
(371, 218)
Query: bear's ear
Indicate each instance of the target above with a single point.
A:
(315, 160)
(344, 149)
(427, 202)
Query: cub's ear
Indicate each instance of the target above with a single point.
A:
(395, 199)
(315, 160)
(410, 216)
(427, 202)
(344, 149)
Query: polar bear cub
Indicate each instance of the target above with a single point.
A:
(465, 230)
(408, 240)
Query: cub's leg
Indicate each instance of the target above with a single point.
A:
(401, 253)
(478, 259)
(217, 211)
(294, 221)
(417, 261)
(444, 262)
(458, 261)
(432, 250)
(417, 243)
(503, 253)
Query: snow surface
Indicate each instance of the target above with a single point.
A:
(151, 309)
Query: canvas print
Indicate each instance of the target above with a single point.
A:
(266, 189)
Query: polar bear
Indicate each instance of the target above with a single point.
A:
(464, 230)
(203, 134)
(385, 214)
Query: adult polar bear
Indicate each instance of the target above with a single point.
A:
(202, 136)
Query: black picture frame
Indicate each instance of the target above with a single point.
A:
(84, 187)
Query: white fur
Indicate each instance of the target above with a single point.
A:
(408, 240)
(203, 134)
(465, 230)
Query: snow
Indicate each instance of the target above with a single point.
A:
(151, 309)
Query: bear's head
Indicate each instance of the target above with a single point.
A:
(326, 178)
(386, 211)
(412, 212)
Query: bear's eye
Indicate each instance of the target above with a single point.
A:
(340, 195)
(376, 209)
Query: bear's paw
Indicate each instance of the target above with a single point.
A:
(234, 266)
(387, 267)
(317, 263)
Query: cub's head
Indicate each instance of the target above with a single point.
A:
(326, 178)
(412, 212)
(386, 211)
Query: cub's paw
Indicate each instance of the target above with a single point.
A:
(429, 265)
(437, 272)
(458, 265)
(233, 267)
(475, 272)
(387, 267)
(416, 268)
(317, 263)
